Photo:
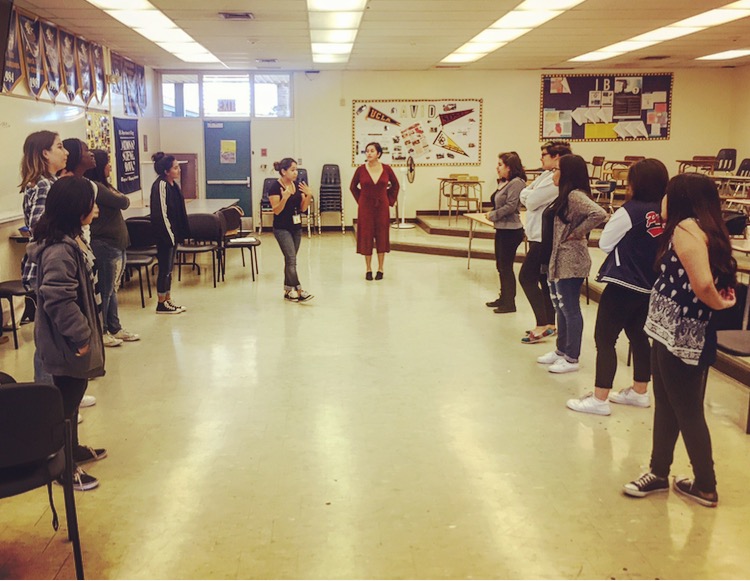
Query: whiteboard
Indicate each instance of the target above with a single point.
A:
(18, 118)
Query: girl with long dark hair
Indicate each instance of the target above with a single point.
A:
(696, 276)
(631, 240)
(508, 228)
(575, 215)
(68, 328)
(289, 199)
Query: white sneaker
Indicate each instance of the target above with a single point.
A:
(87, 401)
(562, 365)
(80, 418)
(549, 358)
(589, 404)
(629, 396)
(124, 335)
(110, 340)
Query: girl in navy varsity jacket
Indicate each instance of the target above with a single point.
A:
(631, 239)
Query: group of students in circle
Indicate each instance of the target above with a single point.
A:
(668, 267)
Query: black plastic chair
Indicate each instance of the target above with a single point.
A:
(141, 254)
(37, 448)
(726, 160)
(265, 204)
(8, 290)
(206, 236)
(234, 237)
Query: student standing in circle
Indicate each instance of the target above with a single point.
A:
(508, 227)
(171, 227)
(289, 200)
(375, 187)
(697, 276)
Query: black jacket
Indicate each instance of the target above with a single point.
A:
(168, 214)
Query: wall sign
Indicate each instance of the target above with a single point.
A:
(433, 131)
(126, 155)
(608, 107)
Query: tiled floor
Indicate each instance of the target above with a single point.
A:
(387, 429)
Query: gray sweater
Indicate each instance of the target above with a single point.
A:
(67, 316)
(570, 253)
(506, 200)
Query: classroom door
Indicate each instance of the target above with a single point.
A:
(228, 161)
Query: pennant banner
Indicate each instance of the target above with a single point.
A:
(140, 80)
(115, 61)
(13, 71)
(83, 64)
(444, 141)
(52, 65)
(32, 53)
(67, 52)
(97, 64)
(376, 115)
(126, 155)
(130, 87)
(446, 118)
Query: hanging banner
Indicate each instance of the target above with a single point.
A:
(13, 72)
(32, 53)
(67, 51)
(140, 76)
(126, 155)
(52, 65)
(97, 64)
(129, 87)
(434, 132)
(115, 65)
(83, 65)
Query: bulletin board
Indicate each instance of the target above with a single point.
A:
(611, 107)
(435, 132)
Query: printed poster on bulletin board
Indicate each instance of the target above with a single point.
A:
(439, 132)
(608, 107)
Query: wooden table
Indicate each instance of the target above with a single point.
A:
(465, 188)
(707, 164)
(193, 206)
(474, 219)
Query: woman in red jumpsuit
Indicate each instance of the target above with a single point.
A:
(375, 188)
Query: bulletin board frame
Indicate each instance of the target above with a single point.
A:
(434, 132)
(606, 107)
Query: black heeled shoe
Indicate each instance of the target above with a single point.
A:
(368, 276)
(379, 276)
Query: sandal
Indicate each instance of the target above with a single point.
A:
(532, 338)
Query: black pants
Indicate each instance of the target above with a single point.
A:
(506, 245)
(679, 390)
(165, 257)
(621, 309)
(535, 287)
(72, 390)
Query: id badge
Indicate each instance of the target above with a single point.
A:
(296, 219)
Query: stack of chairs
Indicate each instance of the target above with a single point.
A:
(265, 205)
(309, 216)
(330, 193)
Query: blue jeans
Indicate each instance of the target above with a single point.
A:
(566, 297)
(289, 242)
(109, 263)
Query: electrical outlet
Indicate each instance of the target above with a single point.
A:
(299, 161)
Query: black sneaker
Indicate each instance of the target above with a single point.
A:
(647, 484)
(496, 303)
(81, 480)
(505, 309)
(178, 307)
(84, 454)
(303, 296)
(288, 296)
(166, 308)
(686, 487)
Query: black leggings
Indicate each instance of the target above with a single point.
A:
(506, 244)
(535, 286)
(679, 390)
(165, 257)
(621, 309)
(72, 390)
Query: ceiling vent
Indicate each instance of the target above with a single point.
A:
(654, 58)
(237, 15)
(447, 66)
(266, 61)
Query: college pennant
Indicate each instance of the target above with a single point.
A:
(13, 70)
(100, 80)
(446, 142)
(83, 64)
(67, 51)
(446, 118)
(52, 69)
(32, 53)
(376, 115)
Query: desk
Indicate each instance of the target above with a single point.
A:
(724, 182)
(443, 190)
(193, 206)
(467, 190)
(706, 164)
(474, 219)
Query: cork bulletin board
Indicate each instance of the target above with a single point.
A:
(434, 132)
(610, 107)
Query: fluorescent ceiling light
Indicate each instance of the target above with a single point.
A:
(500, 34)
(666, 33)
(330, 58)
(726, 55)
(119, 4)
(333, 35)
(628, 46)
(740, 4)
(198, 58)
(462, 58)
(164, 34)
(479, 47)
(326, 20)
(141, 18)
(525, 18)
(336, 5)
(713, 18)
(331, 48)
(548, 4)
(595, 56)
(183, 47)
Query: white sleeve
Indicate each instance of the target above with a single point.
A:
(619, 225)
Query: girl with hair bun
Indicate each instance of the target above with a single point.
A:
(289, 200)
(171, 227)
